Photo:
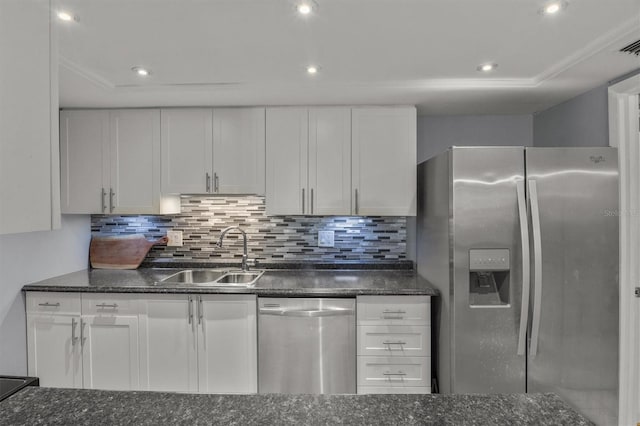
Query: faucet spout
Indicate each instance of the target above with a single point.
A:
(245, 267)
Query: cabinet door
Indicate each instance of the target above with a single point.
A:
(187, 150)
(238, 150)
(110, 352)
(135, 161)
(330, 161)
(168, 352)
(227, 344)
(54, 352)
(384, 161)
(84, 161)
(29, 168)
(286, 161)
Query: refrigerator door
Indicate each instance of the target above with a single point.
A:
(486, 270)
(574, 343)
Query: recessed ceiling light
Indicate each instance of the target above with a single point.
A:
(487, 67)
(66, 16)
(304, 8)
(143, 72)
(312, 69)
(553, 7)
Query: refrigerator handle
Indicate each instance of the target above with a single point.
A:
(526, 267)
(537, 268)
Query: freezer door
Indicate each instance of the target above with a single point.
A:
(577, 339)
(486, 271)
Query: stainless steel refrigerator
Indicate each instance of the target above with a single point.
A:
(523, 245)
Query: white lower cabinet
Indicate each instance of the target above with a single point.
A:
(394, 344)
(164, 342)
(199, 343)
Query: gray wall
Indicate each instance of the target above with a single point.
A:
(437, 133)
(30, 257)
(581, 121)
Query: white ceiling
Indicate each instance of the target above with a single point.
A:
(422, 52)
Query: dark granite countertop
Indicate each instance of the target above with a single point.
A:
(33, 406)
(336, 283)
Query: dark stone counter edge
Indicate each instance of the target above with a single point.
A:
(299, 292)
(403, 265)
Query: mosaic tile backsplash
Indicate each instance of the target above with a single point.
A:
(269, 238)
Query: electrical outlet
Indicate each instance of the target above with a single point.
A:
(325, 239)
(175, 238)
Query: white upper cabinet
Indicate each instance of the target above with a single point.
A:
(84, 160)
(341, 161)
(29, 156)
(215, 151)
(238, 150)
(287, 148)
(187, 150)
(384, 161)
(111, 162)
(330, 161)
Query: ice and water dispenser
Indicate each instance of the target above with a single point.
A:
(489, 277)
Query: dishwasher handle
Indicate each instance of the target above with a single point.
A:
(308, 313)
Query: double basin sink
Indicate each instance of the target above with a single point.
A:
(214, 278)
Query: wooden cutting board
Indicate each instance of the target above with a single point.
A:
(120, 252)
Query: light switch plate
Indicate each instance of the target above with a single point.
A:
(325, 239)
(175, 238)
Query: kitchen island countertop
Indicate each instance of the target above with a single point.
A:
(94, 407)
(282, 283)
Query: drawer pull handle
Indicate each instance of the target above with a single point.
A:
(399, 373)
(50, 305)
(107, 305)
(386, 311)
(386, 342)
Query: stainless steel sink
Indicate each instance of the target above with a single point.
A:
(240, 278)
(195, 276)
(214, 278)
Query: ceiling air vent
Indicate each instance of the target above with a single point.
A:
(632, 48)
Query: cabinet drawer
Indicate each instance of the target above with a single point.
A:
(106, 304)
(363, 390)
(49, 302)
(394, 310)
(394, 340)
(394, 371)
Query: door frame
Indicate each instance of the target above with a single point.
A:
(624, 133)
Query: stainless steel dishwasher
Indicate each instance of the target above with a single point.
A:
(306, 345)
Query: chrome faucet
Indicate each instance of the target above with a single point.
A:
(245, 267)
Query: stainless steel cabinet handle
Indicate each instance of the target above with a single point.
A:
(387, 311)
(302, 200)
(107, 305)
(82, 324)
(103, 195)
(208, 182)
(357, 207)
(399, 373)
(74, 339)
(190, 310)
(311, 200)
(526, 272)
(387, 342)
(111, 195)
(216, 180)
(307, 312)
(200, 312)
(537, 268)
(49, 305)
